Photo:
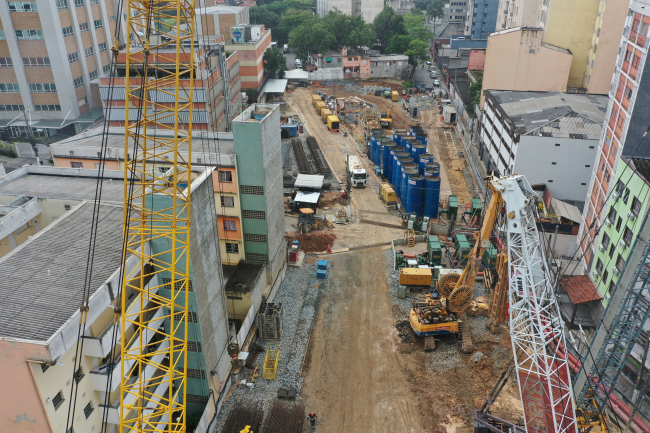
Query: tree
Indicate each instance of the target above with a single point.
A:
(275, 63)
(261, 15)
(416, 28)
(311, 37)
(434, 11)
(386, 25)
(398, 44)
(289, 21)
(474, 92)
(418, 52)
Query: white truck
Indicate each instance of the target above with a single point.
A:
(356, 173)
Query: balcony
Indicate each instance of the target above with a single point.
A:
(99, 376)
(101, 345)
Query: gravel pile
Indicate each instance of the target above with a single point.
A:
(298, 294)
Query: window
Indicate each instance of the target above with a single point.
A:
(627, 236)
(607, 176)
(253, 190)
(178, 285)
(234, 297)
(255, 257)
(618, 224)
(6, 61)
(232, 248)
(225, 176)
(88, 409)
(98, 24)
(36, 61)
(78, 3)
(557, 144)
(44, 366)
(47, 107)
(106, 69)
(230, 225)
(22, 7)
(599, 266)
(3, 37)
(58, 400)
(628, 56)
(198, 399)
(78, 82)
(636, 206)
(643, 29)
(635, 62)
(611, 251)
(194, 346)
(74, 57)
(626, 195)
(67, 31)
(102, 47)
(10, 107)
(605, 241)
(605, 276)
(83, 27)
(29, 34)
(61, 4)
(94, 2)
(250, 237)
(227, 201)
(99, 166)
(78, 375)
(612, 118)
(92, 75)
(619, 187)
(42, 87)
(191, 317)
(76, 164)
(254, 214)
(620, 263)
(9, 88)
(628, 93)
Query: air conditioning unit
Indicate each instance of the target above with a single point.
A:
(631, 216)
(601, 248)
(595, 273)
(615, 271)
(615, 196)
(608, 222)
(622, 244)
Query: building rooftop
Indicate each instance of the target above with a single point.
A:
(580, 289)
(44, 277)
(554, 114)
(219, 9)
(202, 142)
(642, 167)
(244, 277)
(45, 183)
(390, 58)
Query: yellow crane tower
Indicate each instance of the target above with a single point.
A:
(163, 64)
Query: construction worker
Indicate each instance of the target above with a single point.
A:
(312, 419)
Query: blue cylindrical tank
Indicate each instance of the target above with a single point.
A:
(375, 136)
(407, 143)
(380, 150)
(422, 138)
(398, 176)
(416, 130)
(404, 184)
(431, 195)
(393, 162)
(398, 137)
(396, 170)
(433, 168)
(415, 194)
(371, 148)
(386, 160)
(425, 158)
(416, 150)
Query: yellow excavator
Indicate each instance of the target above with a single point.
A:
(386, 121)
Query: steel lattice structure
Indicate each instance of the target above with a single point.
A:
(153, 378)
(621, 337)
(536, 328)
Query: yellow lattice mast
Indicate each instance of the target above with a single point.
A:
(158, 68)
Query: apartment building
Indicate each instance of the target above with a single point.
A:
(217, 20)
(520, 13)
(624, 125)
(455, 11)
(549, 137)
(50, 51)
(41, 340)
(368, 9)
(250, 42)
(217, 88)
(208, 150)
(481, 18)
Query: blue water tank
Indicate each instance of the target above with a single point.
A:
(415, 194)
(397, 172)
(425, 158)
(431, 195)
(371, 148)
(407, 143)
(422, 138)
(416, 150)
(375, 136)
(417, 129)
(393, 164)
(387, 159)
(398, 137)
(432, 168)
(404, 184)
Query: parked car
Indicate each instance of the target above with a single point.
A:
(432, 75)
(436, 83)
(428, 62)
(420, 86)
(298, 64)
(432, 69)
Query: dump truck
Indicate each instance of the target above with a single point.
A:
(355, 171)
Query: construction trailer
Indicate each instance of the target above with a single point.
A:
(333, 123)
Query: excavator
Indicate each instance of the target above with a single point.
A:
(386, 120)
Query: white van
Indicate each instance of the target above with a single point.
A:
(285, 49)
(298, 64)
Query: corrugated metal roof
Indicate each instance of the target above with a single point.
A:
(580, 289)
(307, 197)
(313, 181)
(67, 187)
(566, 210)
(44, 277)
(276, 86)
(117, 114)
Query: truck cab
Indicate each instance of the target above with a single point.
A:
(356, 173)
(359, 177)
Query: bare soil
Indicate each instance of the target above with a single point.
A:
(312, 242)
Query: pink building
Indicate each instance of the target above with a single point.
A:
(355, 65)
(476, 60)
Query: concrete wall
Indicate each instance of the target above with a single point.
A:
(566, 169)
(476, 60)
(517, 60)
(570, 25)
(208, 281)
(531, 13)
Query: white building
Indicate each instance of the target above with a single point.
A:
(369, 9)
(549, 137)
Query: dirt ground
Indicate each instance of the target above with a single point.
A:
(361, 373)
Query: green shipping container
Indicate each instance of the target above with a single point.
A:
(435, 250)
(463, 247)
(490, 256)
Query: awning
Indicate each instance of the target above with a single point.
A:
(276, 86)
(91, 116)
(580, 289)
(566, 210)
(297, 74)
(307, 197)
(311, 181)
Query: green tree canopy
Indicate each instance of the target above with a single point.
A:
(434, 9)
(474, 92)
(418, 52)
(348, 31)
(290, 20)
(275, 63)
(312, 36)
(416, 28)
(398, 44)
(261, 15)
(388, 24)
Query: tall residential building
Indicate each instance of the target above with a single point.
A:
(625, 122)
(590, 29)
(369, 9)
(50, 51)
(481, 18)
(455, 11)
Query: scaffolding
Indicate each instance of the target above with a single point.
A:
(271, 361)
(269, 321)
